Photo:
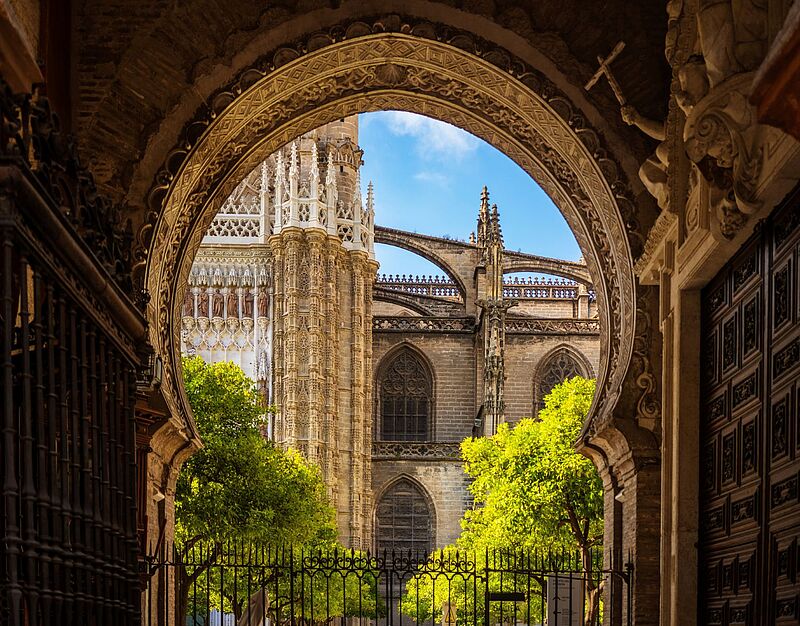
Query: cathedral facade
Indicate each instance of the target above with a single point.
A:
(378, 378)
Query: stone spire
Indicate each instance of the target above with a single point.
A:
(370, 221)
(494, 306)
(483, 216)
(495, 233)
(331, 193)
(280, 183)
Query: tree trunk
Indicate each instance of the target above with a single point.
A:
(186, 581)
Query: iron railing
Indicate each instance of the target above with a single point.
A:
(251, 585)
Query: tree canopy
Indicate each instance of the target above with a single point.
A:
(241, 486)
(533, 494)
(241, 490)
(531, 489)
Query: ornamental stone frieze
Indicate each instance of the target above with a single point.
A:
(552, 326)
(407, 324)
(414, 450)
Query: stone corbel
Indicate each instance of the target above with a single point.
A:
(722, 137)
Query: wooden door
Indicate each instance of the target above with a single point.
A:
(750, 431)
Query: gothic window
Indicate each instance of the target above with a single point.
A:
(403, 519)
(404, 399)
(558, 368)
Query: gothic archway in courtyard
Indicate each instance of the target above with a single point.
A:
(405, 518)
(406, 66)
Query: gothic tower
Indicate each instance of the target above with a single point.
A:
(323, 266)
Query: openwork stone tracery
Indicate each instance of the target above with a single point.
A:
(559, 366)
(405, 398)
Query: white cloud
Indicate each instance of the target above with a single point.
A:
(435, 178)
(434, 140)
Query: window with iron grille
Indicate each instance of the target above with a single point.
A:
(404, 399)
(403, 519)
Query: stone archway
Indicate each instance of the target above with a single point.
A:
(410, 488)
(513, 108)
(448, 75)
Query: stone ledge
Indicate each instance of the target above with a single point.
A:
(395, 450)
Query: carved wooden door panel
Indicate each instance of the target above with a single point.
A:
(750, 431)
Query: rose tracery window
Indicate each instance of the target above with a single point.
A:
(403, 519)
(404, 399)
(558, 368)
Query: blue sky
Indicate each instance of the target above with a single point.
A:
(428, 177)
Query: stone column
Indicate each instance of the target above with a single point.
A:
(613, 596)
(583, 301)
(641, 533)
(681, 454)
(362, 275)
(323, 320)
(330, 368)
(278, 304)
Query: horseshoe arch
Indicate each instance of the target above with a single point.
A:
(489, 94)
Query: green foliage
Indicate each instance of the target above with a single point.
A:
(531, 489)
(240, 489)
(534, 493)
(240, 486)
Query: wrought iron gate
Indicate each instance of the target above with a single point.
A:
(69, 357)
(248, 585)
(750, 431)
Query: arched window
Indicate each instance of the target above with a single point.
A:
(404, 398)
(403, 519)
(557, 368)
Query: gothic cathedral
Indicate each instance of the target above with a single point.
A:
(378, 378)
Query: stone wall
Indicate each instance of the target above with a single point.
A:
(456, 366)
(444, 482)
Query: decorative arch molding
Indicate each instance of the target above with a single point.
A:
(420, 487)
(406, 345)
(413, 480)
(381, 370)
(423, 68)
(583, 367)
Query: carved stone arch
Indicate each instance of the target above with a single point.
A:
(438, 72)
(384, 368)
(560, 363)
(404, 480)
